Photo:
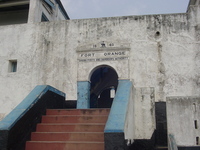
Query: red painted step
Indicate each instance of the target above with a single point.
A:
(78, 111)
(74, 119)
(76, 129)
(68, 136)
(70, 127)
(65, 146)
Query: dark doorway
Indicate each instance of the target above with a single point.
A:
(104, 82)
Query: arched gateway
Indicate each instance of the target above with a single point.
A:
(100, 66)
(104, 82)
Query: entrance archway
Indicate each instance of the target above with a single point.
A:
(104, 82)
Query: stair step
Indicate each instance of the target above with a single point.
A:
(69, 136)
(74, 119)
(70, 127)
(33, 145)
(77, 111)
(161, 148)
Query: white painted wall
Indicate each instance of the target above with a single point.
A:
(129, 130)
(42, 59)
(181, 115)
(144, 113)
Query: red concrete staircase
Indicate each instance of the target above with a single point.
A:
(70, 129)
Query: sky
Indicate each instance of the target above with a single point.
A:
(81, 9)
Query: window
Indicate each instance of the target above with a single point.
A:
(195, 124)
(197, 140)
(44, 18)
(48, 6)
(12, 65)
(50, 3)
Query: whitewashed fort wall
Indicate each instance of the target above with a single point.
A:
(163, 52)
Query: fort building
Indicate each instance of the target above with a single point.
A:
(145, 69)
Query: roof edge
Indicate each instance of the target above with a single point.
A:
(62, 9)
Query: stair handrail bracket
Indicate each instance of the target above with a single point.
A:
(119, 129)
(17, 126)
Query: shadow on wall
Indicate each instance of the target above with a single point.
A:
(144, 144)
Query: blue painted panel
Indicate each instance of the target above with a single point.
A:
(117, 116)
(26, 104)
(83, 101)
